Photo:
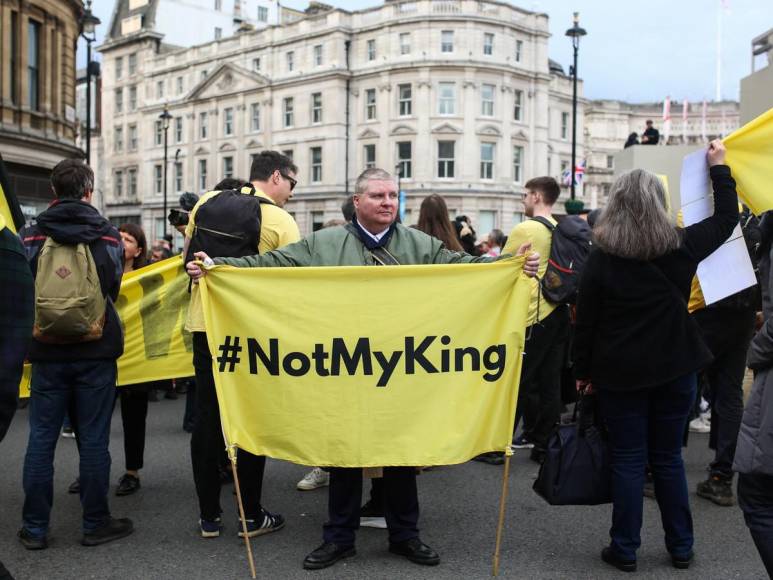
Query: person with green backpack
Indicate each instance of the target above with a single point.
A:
(76, 258)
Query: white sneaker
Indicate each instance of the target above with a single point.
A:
(315, 478)
(700, 425)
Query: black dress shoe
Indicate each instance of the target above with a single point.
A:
(538, 454)
(75, 486)
(491, 457)
(114, 529)
(127, 485)
(32, 542)
(609, 556)
(416, 551)
(682, 562)
(327, 555)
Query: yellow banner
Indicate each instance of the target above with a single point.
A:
(366, 366)
(750, 157)
(152, 305)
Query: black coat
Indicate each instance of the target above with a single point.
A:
(70, 221)
(633, 329)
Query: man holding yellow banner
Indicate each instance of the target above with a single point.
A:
(342, 435)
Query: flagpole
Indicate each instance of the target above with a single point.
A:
(232, 457)
(502, 503)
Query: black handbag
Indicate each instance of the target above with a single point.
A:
(576, 469)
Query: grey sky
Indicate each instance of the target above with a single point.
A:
(635, 50)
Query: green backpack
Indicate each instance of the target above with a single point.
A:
(69, 305)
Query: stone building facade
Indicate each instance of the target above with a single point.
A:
(37, 93)
(457, 94)
(608, 123)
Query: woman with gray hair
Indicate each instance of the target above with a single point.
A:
(639, 350)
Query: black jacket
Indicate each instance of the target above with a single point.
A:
(633, 329)
(72, 221)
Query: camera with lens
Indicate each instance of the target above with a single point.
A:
(179, 217)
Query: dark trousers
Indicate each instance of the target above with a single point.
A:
(134, 413)
(644, 426)
(400, 498)
(727, 332)
(207, 445)
(539, 394)
(755, 496)
(85, 389)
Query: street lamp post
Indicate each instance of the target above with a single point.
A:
(400, 196)
(575, 33)
(165, 117)
(88, 23)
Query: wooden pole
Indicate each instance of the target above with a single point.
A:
(232, 455)
(502, 503)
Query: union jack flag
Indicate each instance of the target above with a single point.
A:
(579, 171)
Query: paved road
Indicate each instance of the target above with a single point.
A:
(459, 510)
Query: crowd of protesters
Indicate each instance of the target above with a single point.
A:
(635, 295)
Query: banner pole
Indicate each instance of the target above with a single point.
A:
(232, 456)
(502, 502)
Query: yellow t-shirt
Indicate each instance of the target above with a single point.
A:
(540, 238)
(278, 228)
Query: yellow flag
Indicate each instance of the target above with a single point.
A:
(152, 307)
(750, 157)
(367, 366)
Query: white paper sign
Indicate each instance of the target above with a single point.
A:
(729, 269)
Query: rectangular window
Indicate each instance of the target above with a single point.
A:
(119, 100)
(318, 55)
(118, 183)
(316, 108)
(158, 133)
(202, 174)
(317, 220)
(369, 155)
(517, 163)
(517, 105)
(487, 100)
(487, 220)
(487, 161)
(178, 176)
(371, 49)
(446, 41)
(405, 99)
(228, 167)
(14, 57)
(178, 129)
(218, 33)
(610, 161)
(445, 159)
(262, 14)
(118, 142)
(33, 64)
(133, 98)
(179, 85)
(316, 164)
(118, 68)
(203, 125)
(228, 121)
(133, 137)
(255, 117)
(288, 153)
(256, 64)
(288, 111)
(131, 177)
(404, 159)
(290, 59)
(488, 43)
(370, 104)
(405, 43)
(132, 63)
(564, 125)
(518, 50)
(160, 89)
(446, 99)
(158, 179)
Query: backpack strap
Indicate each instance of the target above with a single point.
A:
(381, 255)
(545, 222)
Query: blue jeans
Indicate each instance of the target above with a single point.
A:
(647, 426)
(86, 390)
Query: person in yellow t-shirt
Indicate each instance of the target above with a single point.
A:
(273, 176)
(539, 397)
